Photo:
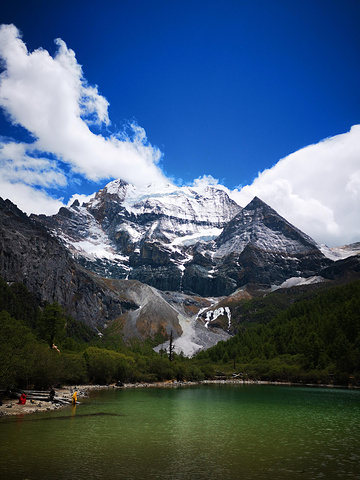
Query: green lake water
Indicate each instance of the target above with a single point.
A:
(198, 432)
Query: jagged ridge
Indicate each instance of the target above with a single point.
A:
(29, 254)
(195, 240)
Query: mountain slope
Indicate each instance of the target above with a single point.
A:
(142, 233)
(258, 246)
(256, 251)
(194, 240)
(30, 255)
(299, 335)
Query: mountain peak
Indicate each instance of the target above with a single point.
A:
(261, 226)
(256, 204)
(186, 238)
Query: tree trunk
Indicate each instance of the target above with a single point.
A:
(171, 346)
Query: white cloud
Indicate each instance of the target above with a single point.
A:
(82, 198)
(205, 180)
(28, 199)
(20, 163)
(208, 180)
(316, 188)
(50, 98)
(353, 185)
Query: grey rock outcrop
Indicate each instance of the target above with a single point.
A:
(260, 247)
(29, 254)
(183, 239)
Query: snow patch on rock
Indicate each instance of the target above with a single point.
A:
(195, 337)
(297, 281)
(212, 315)
(340, 253)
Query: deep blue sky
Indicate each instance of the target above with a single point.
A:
(225, 88)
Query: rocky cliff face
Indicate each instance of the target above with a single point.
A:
(182, 241)
(193, 240)
(29, 254)
(260, 247)
(143, 233)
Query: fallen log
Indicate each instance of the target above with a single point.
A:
(45, 395)
(38, 392)
(62, 400)
(40, 399)
(34, 397)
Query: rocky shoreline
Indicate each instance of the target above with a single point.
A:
(10, 406)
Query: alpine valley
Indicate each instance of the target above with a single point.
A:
(163, 259)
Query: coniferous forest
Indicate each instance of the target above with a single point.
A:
(309, 338)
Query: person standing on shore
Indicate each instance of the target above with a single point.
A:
(74, 398)
(22, 399)
(52, 395)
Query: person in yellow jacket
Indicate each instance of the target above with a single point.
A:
(74, 398)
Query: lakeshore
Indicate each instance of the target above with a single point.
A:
(11, 406)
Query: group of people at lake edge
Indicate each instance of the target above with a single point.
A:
(22, 399)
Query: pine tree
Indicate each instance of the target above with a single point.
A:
(171, 346)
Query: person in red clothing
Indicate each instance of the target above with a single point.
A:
(22, 399)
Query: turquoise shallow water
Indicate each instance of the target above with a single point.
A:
(198, 432)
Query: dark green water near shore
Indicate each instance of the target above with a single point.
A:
(198, 432)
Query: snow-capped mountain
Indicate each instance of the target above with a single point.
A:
(259, 225)
(29, 255)
(182, 215)
(190, 239)
(260, 247)
(201, 251)
(124, 231)
(340, 253)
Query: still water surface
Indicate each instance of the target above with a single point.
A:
(199, 432)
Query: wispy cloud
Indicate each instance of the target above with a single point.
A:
(316, 188)
(50, 98)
